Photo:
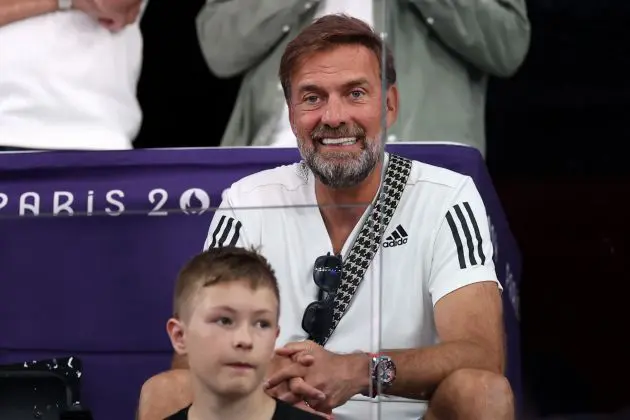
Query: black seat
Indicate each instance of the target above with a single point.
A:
(42, 390)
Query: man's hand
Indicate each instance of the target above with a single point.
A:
(112, 14)
(283, 392)
(339, 377)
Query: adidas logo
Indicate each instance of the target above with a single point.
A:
(397, 237)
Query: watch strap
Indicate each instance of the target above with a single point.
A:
(377, 360)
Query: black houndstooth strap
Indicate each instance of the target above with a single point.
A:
(369, 238)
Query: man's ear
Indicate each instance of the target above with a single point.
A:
(177, 333)
(392, 105)
(291, 117)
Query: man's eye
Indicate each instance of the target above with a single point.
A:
(311, 99)
(356, 94)
(263, 324)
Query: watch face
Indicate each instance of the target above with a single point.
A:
(386, 371)
(386, 375)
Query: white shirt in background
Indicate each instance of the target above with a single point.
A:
(360, 9)
(68, 83)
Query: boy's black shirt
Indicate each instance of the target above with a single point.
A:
(283, 411)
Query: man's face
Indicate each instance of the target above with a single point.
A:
(230, 337)
(335, 113)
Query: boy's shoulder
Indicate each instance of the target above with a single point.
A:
(286, 411)
(180, 415)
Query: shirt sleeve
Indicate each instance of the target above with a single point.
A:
(463, 252)
(227, 226)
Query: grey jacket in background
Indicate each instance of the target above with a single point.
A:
(444, 51)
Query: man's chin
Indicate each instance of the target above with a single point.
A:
(339, 181)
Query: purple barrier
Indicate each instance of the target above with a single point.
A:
(98, 284)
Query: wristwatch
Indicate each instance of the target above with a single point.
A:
(64, 4)
(383, 374)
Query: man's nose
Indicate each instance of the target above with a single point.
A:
(334, 112)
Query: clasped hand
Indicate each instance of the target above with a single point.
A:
(112, 14)
(305, 374)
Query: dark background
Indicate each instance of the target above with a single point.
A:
(556, 141)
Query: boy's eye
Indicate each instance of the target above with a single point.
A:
(224, 321)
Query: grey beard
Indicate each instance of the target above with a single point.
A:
(342, 170)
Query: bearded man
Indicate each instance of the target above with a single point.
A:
(350, 215)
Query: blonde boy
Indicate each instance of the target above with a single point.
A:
(226, 310)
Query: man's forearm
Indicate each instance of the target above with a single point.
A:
(16, 10)
(420, 371)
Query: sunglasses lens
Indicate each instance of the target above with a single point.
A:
(310, 317)
(317, 318)
(327, 272)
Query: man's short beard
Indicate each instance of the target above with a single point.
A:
(341, 169)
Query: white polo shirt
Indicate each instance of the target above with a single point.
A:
(66, 82)
(437, 241)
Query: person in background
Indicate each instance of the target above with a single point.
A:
(68, 74)
(445, 52)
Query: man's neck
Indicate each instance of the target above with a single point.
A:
(341, 209)
(346, 205)
(207, 406)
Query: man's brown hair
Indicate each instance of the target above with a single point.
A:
(222, 265)
(326, 33)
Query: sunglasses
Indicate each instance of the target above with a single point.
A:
(318, 316)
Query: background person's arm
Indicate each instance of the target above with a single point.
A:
(235, 34)
(493, 35)
(16, 10)
(111, 14)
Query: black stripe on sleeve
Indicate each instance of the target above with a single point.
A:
(216, 232)
(226, 232)
(469, 241)
(482, 257)
(237, 233)
(456, 238)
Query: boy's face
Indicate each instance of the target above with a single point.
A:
(229, 336)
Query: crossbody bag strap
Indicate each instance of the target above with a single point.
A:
(369, 238)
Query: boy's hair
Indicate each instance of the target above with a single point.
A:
(326, 33)
(222, 265)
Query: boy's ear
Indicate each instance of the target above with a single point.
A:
(176, 332)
